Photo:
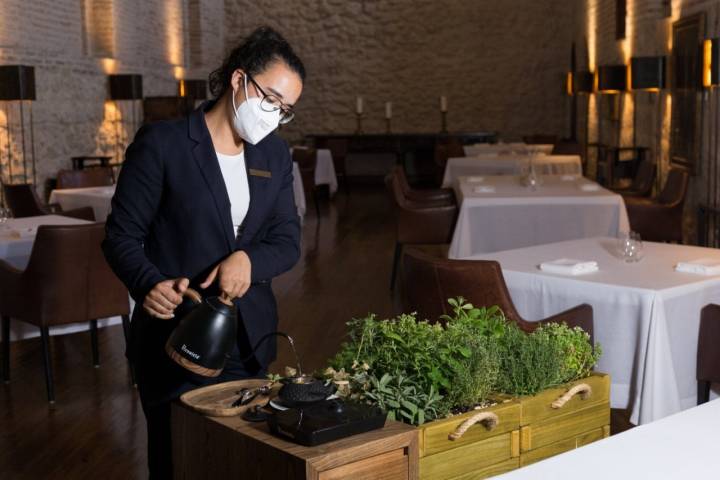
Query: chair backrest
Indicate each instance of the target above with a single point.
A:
(565, 147)
(58, 272)
(540, 139)
(675, 187)
(450, 149)
(399, 171)
(708, 350)
(338, 147)
(306, 159)
(644, 177)
(23, 200)
(429, 281)
(107, 296)
(90, 177)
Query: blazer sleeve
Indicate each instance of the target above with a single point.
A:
(279, 249)
(134, 206)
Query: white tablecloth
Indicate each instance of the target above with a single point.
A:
(506, 148)
(646, 315)
(515, 216)
(324, 169)
(98, 198)
(17, 252)
(299, 192)
(682, 446)
(510, 165)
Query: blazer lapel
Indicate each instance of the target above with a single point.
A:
(206, 159)
(254, 160)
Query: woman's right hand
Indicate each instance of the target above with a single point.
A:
(165, 296)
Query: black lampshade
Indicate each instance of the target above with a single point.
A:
(612, 78)
(647, 73)
(195, 89)
(583, 82)
(126, 87)
(17, 82)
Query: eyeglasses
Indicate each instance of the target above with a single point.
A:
(271, 103)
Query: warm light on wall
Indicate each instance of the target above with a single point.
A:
(711, 63)
(178, 72)
(181, 88)
(591, 12)
(109, 65)
(569, 83)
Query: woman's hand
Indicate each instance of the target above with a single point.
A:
(233, 275)
(165, 296)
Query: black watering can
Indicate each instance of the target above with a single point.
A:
(205, 336)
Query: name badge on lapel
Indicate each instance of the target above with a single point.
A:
(260, 173)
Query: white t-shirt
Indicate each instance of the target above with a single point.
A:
(236, 181)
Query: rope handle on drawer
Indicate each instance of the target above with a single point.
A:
(583, 389)
(489, 419)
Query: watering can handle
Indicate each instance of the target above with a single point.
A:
(193, 295)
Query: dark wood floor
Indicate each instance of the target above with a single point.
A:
(97, 425)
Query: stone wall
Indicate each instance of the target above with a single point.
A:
(643, 118)
(499, 63)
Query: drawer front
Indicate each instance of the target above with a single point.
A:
(556, 448)
(564, 427)
(491, 471)
(468, 458)
(387, 466)
(434, 435)
(539, 408)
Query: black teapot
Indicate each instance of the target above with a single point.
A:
(205, 336)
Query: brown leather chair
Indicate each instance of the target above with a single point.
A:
(23, 202)
(428, 282)
(660, 219)
(566, 147)
(418, 222)
(426, 195)
(642, 183)
(64, 282)
(90, 177)
(339, 149)
(708, 351)
(306, 159)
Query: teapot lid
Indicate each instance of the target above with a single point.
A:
(220, 306)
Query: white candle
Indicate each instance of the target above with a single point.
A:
(443, 103)
(359, 105)
(388, 109)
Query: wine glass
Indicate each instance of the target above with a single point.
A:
(630, 247)
(4, 217)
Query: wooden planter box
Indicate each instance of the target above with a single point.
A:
(527, 429)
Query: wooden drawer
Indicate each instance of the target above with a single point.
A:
(564, 427)
(434, 435)
(538, 408)
(526, 458)
(492, 470)
(470, 458)
(388, 466)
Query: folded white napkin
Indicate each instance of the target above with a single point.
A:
(701, 266)
(569, 266)
(484, 189)
(475, 179)
(589, 187)
(19, 233)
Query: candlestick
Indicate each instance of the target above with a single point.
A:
(388, 110)
(443, 103)
(359, 106)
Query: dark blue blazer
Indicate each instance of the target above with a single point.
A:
(171, 218)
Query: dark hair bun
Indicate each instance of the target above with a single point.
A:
(261, 48)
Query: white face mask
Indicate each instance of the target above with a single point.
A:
(251, 122)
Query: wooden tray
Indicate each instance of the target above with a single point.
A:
(216, 400)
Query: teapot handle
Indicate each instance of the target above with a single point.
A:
(193, 295)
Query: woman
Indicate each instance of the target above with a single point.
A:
(207, 202)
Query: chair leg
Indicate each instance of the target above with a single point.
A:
(317, 203)
(703, 393)
(396, 261)
(94, 343)
(5, 375)
(45, 336)
(126, 332)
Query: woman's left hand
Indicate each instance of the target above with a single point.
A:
(233, 275)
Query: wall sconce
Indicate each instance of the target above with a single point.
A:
(711, 63)
(195, 89)
(647, 73)
(583, 82)
(125, 87)
(611, 78)
(17, 83)
(569, 83)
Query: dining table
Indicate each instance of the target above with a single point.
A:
(683, 445)
(646, 314)
(98, 198)
(501, 148)
(17, 238)
(503, 212)
(511, 164)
